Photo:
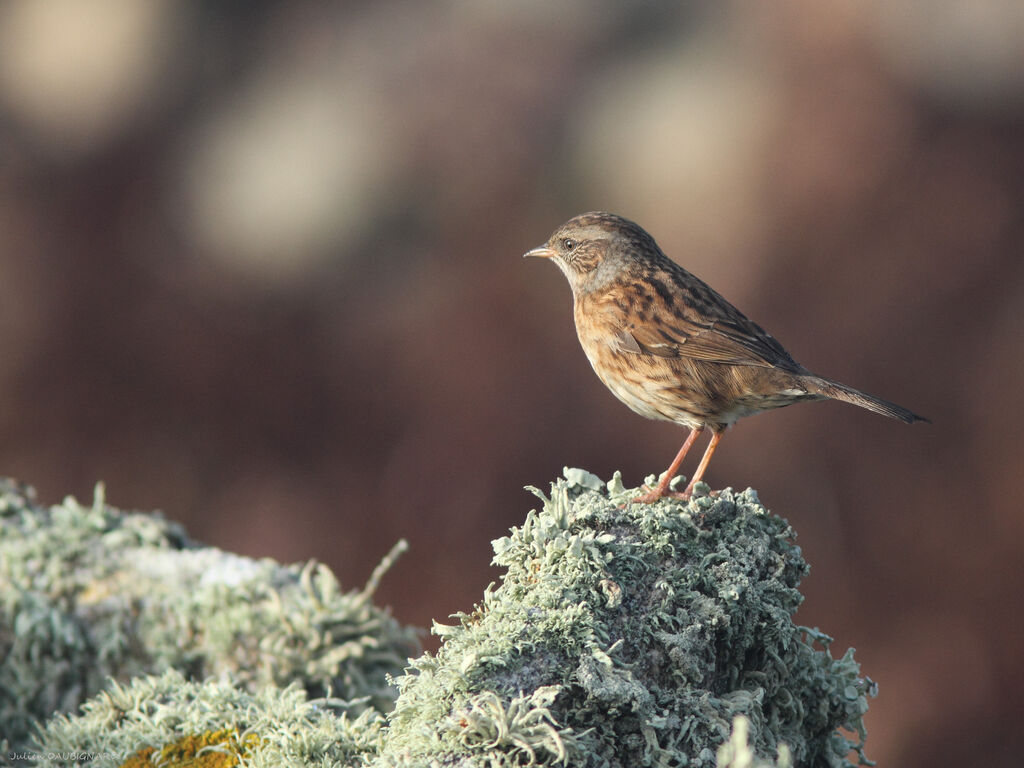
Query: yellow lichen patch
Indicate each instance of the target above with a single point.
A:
(215, 749)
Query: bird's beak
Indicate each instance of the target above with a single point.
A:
(543, 252)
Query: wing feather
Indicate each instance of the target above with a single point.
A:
(699, 324)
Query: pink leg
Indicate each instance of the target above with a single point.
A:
(702, 467)
(662, 488)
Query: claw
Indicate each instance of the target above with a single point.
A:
(654, 494)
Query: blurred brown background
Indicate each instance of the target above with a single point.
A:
(260, 268)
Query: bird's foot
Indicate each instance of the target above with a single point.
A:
(654, 494)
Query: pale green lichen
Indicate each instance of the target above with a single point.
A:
(91, 592)
(279, 728)
(649, 628)
(513, 732)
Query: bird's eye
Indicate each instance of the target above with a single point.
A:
(569, 244)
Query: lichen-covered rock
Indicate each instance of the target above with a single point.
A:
(91, 592)
(632, 635)
(620, 635)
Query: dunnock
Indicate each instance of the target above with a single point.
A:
(670, 347)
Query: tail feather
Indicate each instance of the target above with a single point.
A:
(836, 391)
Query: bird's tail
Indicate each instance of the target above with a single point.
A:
(836, 391)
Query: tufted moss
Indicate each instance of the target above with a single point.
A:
(633, 635)
(91, 592)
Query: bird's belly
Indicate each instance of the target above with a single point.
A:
(652, 391)
(645, 401)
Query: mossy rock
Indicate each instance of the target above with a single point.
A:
(90, 592)
(620, 635)
(632, 635)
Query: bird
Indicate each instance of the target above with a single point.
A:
(670, 347)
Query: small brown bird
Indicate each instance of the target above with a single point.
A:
(673, 349)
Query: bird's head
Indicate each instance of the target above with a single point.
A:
(593, 249)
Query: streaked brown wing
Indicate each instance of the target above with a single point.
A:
(736, 341)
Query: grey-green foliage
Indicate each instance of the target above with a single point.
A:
(633, 636)
(290, 730)
(88, 592)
